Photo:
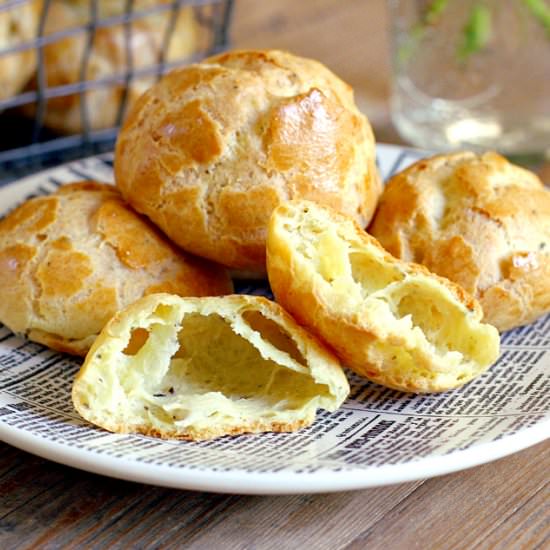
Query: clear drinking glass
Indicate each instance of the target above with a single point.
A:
(472, 74)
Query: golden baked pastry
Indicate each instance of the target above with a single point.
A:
(212, 149)
(64, 57)
(391, 321)
(70, 260)
(198, 368)
(18, 25)
(477, 220)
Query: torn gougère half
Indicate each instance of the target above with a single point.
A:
(391, 321)
(197, 368)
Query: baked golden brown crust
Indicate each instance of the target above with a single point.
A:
(197, 368)
(391, 321)
(479, 221)
(211, 150)
(70, 260)
(63, 58)
(18, 25)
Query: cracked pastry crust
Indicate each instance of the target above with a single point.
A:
(18, 25)
(70, 260)
(198, 368)
(477, 220)
(391, 321)
(213, 148)
(108, 57)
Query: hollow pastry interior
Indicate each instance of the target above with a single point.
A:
(200, 368)
(391, 321)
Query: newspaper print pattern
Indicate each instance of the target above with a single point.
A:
(504, 410)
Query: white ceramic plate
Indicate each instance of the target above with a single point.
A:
(378, 437)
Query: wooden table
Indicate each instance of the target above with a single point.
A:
(499, 505)
(504, 504)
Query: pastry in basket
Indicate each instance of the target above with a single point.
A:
(69, 261)
(197, 368)
(212, 149)
(18, 26)
(391, 321)
(66, 60)
(481, 222)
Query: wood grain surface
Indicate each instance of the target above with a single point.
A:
(504, 504)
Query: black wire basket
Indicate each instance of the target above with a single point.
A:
(86, 62)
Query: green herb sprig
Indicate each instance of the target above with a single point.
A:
(477, 32)
(541, 12)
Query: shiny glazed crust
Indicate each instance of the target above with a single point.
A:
(63, 58)
(211, 150)
(18, 25)
(479, 221)
(391, 321)
(198, 368)
(70, 260)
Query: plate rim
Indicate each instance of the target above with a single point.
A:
(273, 483)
